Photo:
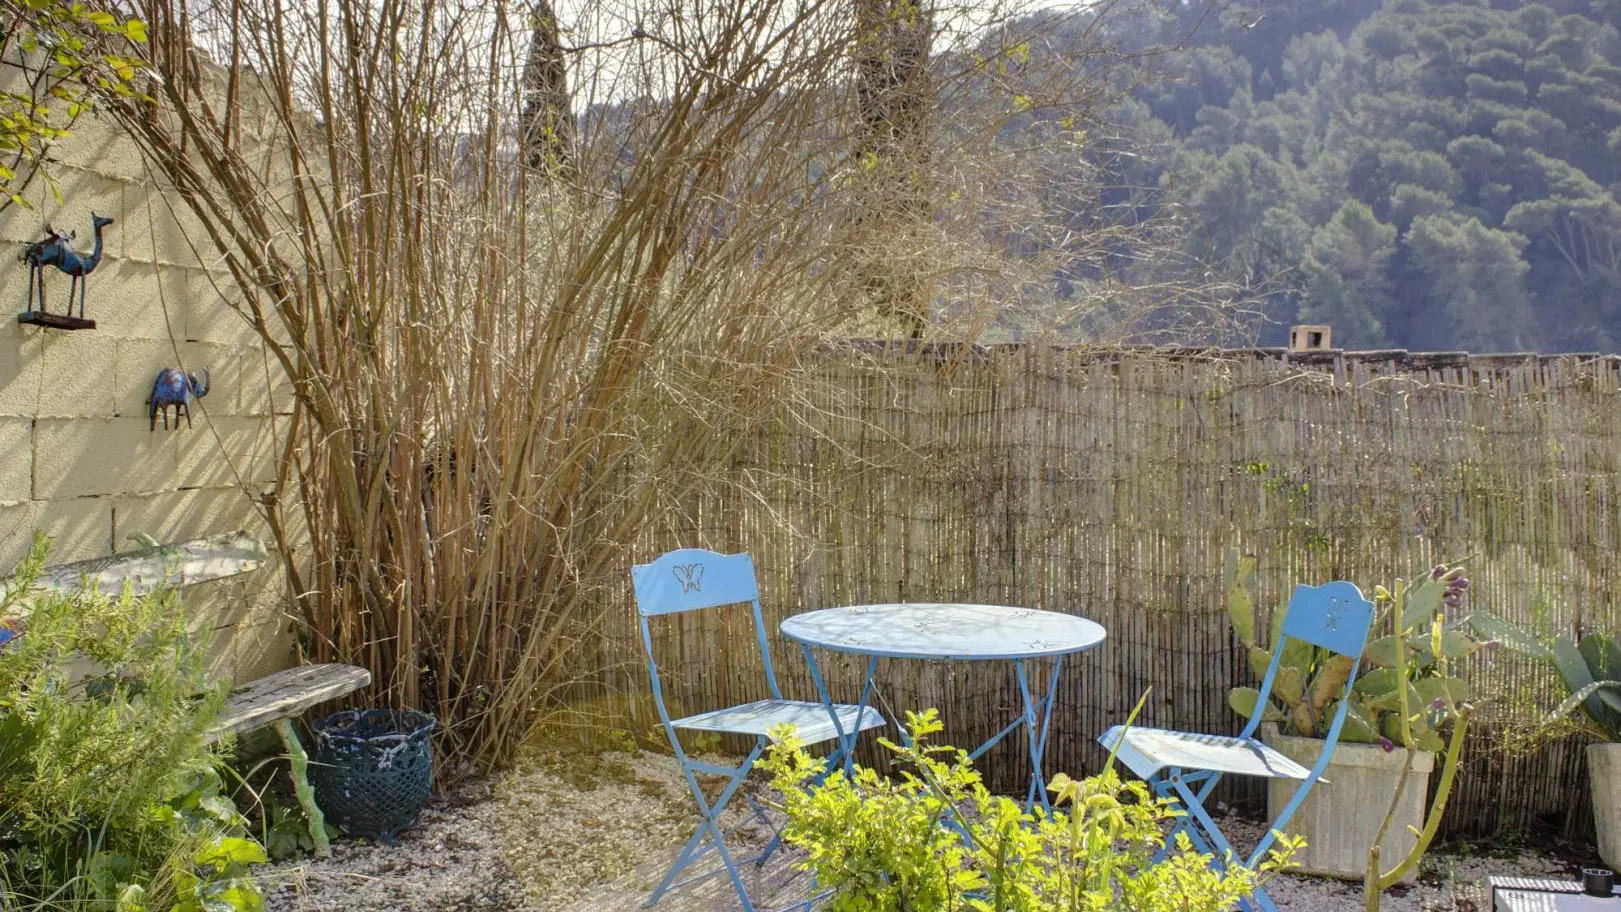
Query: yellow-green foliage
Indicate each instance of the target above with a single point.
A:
(934, 839)
(72, 54)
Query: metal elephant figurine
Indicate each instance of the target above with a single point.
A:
(176, 389)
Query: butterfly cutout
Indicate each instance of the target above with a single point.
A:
(690, 576)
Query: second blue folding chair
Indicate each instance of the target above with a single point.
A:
(1334, 617)
(688, 580)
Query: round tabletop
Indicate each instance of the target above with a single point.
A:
(922, 630)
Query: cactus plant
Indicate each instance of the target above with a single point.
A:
(1590, 667)
(1412, 644)
(1404, 695)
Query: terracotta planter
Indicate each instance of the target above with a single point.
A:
(1341, 816)
(1604, 766)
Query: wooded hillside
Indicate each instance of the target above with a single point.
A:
(1418, 173)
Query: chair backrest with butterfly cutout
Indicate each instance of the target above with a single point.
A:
(690, 579)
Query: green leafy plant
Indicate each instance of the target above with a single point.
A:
(1425, 663)
(933, 839)
(1409, 661)
(110, 797)
(71, 54)
(287, 829)
(1589, 666)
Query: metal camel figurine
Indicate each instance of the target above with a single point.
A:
(176, 389)
(54, 250)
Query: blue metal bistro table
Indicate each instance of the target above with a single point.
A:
(952, 632)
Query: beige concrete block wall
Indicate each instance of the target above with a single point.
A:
(77, 458)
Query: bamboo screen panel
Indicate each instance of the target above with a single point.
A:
(1111, 484)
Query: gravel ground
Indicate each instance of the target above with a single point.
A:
(558, 828)
(1449, 880)
(451, 860)
(590, 831)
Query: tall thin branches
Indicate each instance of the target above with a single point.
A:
(895, 101)
(495, 390)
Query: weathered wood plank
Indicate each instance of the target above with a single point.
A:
(287, 693)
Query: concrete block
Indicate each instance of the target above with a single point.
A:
(182, 515)
(13, 289)
(85, 456)
(266, 388)
(81, 193)
(214, 311)
(162, 228)
(12, 77)
(98, 145)
(238, 451)
(230, 368)
(142, 300)
(245, 651)
(21, 371)
(18, 520)
(213, 616)
(79, 527)
(247, 622)
(76, 375)
(263, 639)
(16, 459)
(220, 313)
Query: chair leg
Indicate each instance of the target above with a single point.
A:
(731, 866)
(710, 828)
(1161, 786)
(776, 831)
(686, 857)
(711, 831)
(1201, 827)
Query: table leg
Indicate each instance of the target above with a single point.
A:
(847, 742)
(300, 763)
(1037, 730)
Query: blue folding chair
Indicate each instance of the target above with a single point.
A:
(687, 580)
(1333, 616)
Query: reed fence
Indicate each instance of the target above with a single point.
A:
(1110, 483)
